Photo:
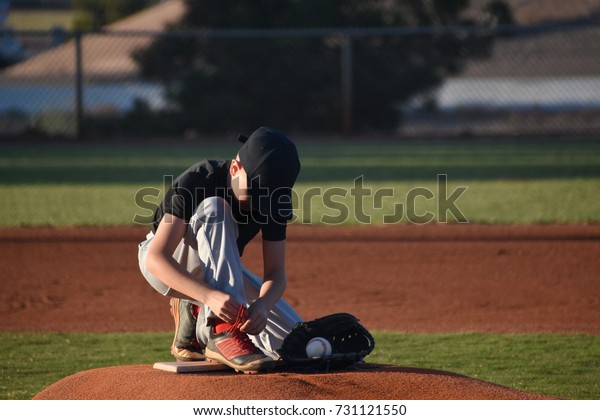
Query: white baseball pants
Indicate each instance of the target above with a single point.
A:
(210, 247)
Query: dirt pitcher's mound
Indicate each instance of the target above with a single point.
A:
(371, 382)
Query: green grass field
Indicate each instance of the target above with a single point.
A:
(40, 20)
(549, 181)
(505, 182)
(564, 366)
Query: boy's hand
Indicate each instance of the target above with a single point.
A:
(223, 305)
(257, 318)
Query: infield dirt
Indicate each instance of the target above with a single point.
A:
(433, 278)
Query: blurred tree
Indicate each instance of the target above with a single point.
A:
(498, 12)
(94, 14)
(293, 82)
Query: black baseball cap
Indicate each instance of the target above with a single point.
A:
(271, 162)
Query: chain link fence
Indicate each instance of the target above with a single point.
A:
(426, 82)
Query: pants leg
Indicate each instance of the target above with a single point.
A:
(216, 235)
(280, 321)
(210, 246)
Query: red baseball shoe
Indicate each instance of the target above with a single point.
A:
(230, 346)
(185, 347)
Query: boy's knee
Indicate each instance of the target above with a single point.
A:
(213, 210)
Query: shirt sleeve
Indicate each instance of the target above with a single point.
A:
(183, 198)
(274, 231)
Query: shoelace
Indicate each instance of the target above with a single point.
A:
(241, 337)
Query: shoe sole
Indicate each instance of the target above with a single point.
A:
(175, 310)
(245, 372)
(180, 358)
(256, 366)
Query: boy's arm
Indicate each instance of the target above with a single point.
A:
(272, 288)
(161, 263)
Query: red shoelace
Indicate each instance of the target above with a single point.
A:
(241, 337)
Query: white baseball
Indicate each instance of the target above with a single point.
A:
(318, 347)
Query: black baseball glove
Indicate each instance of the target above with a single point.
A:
(350, 343)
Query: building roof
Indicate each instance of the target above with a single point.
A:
(565, 51)
(104, 56)
(532, 12)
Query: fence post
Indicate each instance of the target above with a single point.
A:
(78, 85)
(346, 80)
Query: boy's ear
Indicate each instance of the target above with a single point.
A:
(235, 167)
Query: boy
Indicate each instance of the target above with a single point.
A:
(193, 253)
